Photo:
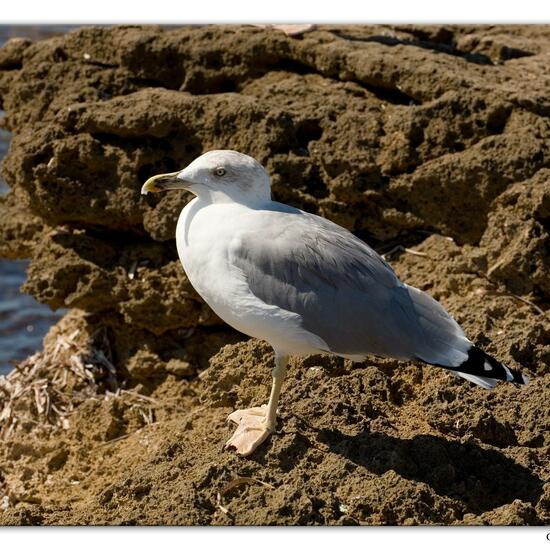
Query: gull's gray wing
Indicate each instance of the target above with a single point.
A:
(344, 292)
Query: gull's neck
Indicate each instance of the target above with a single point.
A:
(248, 200)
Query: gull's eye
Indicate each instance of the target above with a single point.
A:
(219, 171)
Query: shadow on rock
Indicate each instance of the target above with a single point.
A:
(482, 479)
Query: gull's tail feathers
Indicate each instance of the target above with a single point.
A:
(446, 345)
(484, 370)
(487, 383)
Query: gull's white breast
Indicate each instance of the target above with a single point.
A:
(205, 235)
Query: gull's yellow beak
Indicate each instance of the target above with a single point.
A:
(162, 182)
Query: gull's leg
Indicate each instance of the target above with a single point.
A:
(254, 425)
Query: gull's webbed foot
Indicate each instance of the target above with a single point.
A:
(252, 429)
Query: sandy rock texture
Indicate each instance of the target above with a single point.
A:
(432, 138)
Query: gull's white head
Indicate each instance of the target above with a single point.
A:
(218, 176)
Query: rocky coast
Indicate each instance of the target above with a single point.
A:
(431, 143)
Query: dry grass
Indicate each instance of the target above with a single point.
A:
(42, 393)
(46, 387)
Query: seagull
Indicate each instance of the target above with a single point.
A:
(303, 284)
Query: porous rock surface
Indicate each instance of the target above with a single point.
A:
(435, 138)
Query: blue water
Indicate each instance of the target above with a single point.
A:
(23, 321)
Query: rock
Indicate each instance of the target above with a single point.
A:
(145, 365)
(516, 513)
(11, 55)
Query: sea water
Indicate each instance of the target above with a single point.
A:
(23, 321)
